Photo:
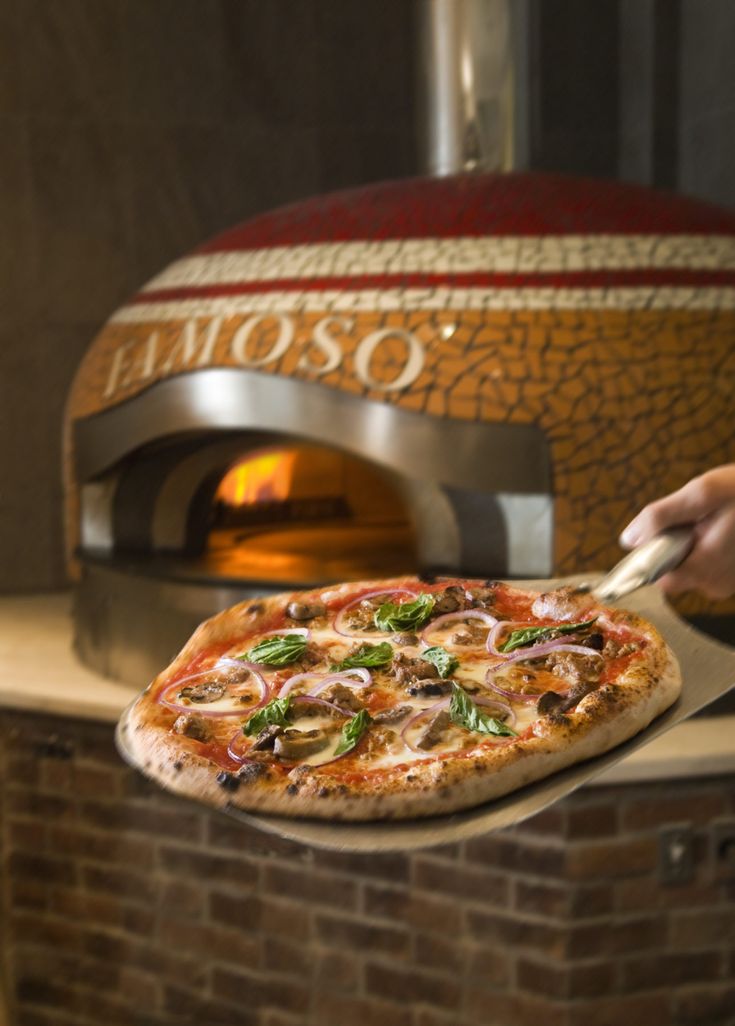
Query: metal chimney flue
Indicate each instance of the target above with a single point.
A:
(470, 85)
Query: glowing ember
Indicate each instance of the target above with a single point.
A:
(262, 478)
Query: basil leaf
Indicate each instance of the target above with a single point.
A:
(274, 712)
(407, 616)
(528, 635)
(368, 655)
(465, 713)
(353, 731)
(279, 650)
(444, 661)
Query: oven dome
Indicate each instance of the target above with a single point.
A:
(537, 338)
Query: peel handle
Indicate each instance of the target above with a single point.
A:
(646, 564)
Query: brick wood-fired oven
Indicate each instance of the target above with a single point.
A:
(516, 363)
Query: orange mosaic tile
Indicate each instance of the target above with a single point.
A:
(615, 342)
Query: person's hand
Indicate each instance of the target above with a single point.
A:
(708, 503)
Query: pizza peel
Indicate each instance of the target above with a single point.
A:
(707, 669)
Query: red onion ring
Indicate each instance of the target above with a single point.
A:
(538, 651)
(570, 646)
(233, 748)
(237, 664)
(444, 703)
(196, 707)
(229, 662)
(519, 696)
(532, 653)
(498, 629)
(330, 678)
(340, 678)
(362, 672)
(297, 678)
(341, 615)
(460, 614)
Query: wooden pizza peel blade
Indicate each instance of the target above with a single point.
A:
(708, 672)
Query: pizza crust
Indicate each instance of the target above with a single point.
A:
(603, 719)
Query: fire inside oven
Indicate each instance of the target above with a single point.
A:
(305, 514)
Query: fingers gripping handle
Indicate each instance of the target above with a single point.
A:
(646, 564)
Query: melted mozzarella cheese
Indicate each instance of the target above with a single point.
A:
(228, 704)
(334, 647)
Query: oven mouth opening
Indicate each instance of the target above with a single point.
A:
(374, 491)
(306, 514)
(240, 512)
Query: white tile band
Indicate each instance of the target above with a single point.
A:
(487, 254)
(432, 299)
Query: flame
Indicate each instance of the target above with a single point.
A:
(263, 478)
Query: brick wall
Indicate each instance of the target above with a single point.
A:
(122, 905)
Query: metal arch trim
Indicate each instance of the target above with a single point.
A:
(496, 457)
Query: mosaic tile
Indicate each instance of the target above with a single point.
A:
(603, 312)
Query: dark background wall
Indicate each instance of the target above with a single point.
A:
(642, 90)
(131, 130)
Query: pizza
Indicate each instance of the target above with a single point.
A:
(398, 698)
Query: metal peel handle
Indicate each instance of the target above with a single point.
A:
(646, 564)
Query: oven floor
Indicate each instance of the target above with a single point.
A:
(310, 554)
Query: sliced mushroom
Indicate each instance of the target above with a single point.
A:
(266, 738)
(431, 735)
(305, 610)
(298, 744)
(208, 691)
